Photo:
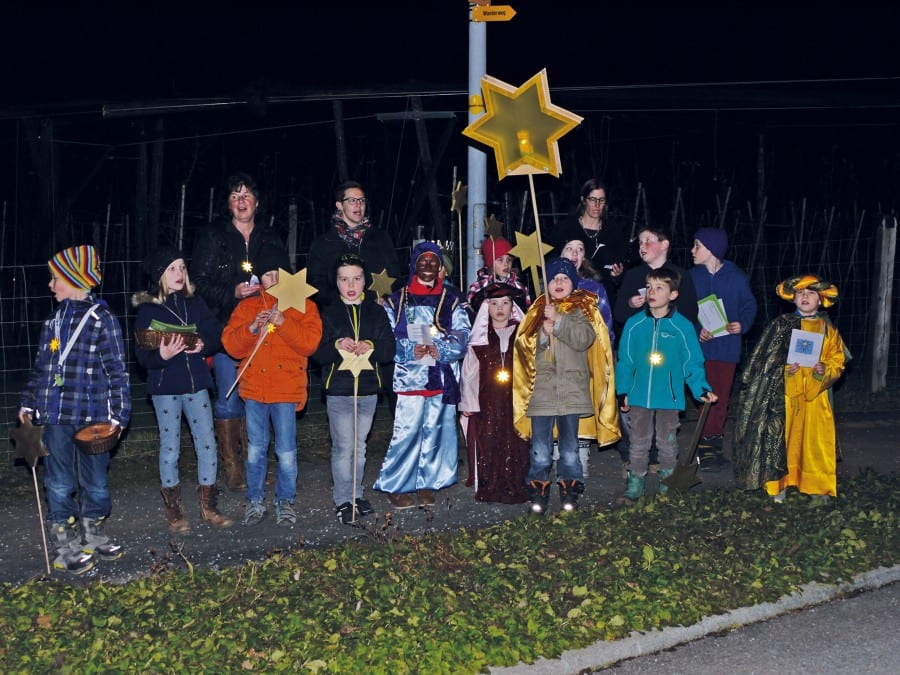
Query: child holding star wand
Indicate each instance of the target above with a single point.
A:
(275, 346)
(355, 324)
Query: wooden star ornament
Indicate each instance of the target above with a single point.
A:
(355, 363)
(29, 442)
(292, 290)
(459, 199)
(522, 126)
(492, 227)
(526, 250)
(382, 284)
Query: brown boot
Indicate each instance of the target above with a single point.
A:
(174, 510)
(208, 510)
(228, 438)
(426, 498)
(401, 500)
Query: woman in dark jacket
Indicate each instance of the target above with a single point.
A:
(351, 231)
(358, 326)
(225, 271)
(178, 379)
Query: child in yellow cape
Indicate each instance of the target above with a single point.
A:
(562, 376)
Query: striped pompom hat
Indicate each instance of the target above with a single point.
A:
(78, 265)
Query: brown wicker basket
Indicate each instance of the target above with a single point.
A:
(151, 339)
(95, 439)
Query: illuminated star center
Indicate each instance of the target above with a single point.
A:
(54, 345)
(247, 266)
(655, 358)
(503, 375)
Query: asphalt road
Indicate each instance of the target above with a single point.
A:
(856, 635)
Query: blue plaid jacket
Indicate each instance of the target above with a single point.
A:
(92, 385)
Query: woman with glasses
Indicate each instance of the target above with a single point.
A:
(604, 240)
(351, 231)
(224, 271)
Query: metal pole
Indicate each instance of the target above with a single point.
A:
(477, 160)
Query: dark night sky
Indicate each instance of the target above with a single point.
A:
(79, 55)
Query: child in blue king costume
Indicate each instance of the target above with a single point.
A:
(422, 456)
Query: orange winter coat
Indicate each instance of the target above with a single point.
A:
(277, 372)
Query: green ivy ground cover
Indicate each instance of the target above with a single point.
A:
(461, 602)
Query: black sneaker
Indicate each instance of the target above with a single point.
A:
(344, 513)
(569, 492)
(363, 507)
(539, 495)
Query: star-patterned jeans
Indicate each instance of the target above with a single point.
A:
(198, 411)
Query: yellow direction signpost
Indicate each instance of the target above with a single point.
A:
(492, 13)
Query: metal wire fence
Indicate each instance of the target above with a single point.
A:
(25, 302)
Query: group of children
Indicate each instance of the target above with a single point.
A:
(520, 379)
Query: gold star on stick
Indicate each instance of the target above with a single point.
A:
(493, 228)
(459, 199)
(292, 290)
(522, 126)
(382, 284)
(355, 363)
(526, 250)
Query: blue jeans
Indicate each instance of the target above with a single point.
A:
(340, 425)
(284, 421)
(569, 465)
(225, 372)
(199, 417)
(66, 469)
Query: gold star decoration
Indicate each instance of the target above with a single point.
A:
(493, 228)
(355, 363)
(526, 250)
(382, 284)
(29, 442)
(247, 266)
(270, 328)
(292, 290)
(522, 126)
(459, 199)
(655, 358)
(54, 345)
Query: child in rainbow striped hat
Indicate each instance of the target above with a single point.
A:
(79, 378)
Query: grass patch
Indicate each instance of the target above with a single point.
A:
(460, 602)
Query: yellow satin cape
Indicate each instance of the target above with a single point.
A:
(604, 424)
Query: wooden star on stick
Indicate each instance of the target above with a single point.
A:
(382, 284)
(29, 442)
(459, 199)
(493, 228)
(526, 250)
(292, 290)
(355, 363)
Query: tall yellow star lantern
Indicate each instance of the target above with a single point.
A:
(292, 290)
(523, 128)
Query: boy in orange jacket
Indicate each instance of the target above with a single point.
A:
(274, 384)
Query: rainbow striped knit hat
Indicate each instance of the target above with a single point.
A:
(78, 265)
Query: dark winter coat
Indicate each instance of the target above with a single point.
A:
(183, 373)
(374, 327)
(218, 260)
(376, 249)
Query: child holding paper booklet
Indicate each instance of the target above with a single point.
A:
(785, 435)
(717, 279)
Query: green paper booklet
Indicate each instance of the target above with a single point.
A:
(711, 313)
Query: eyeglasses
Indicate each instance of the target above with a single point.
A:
(595, 200)
(241, 196)
(354, 200)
